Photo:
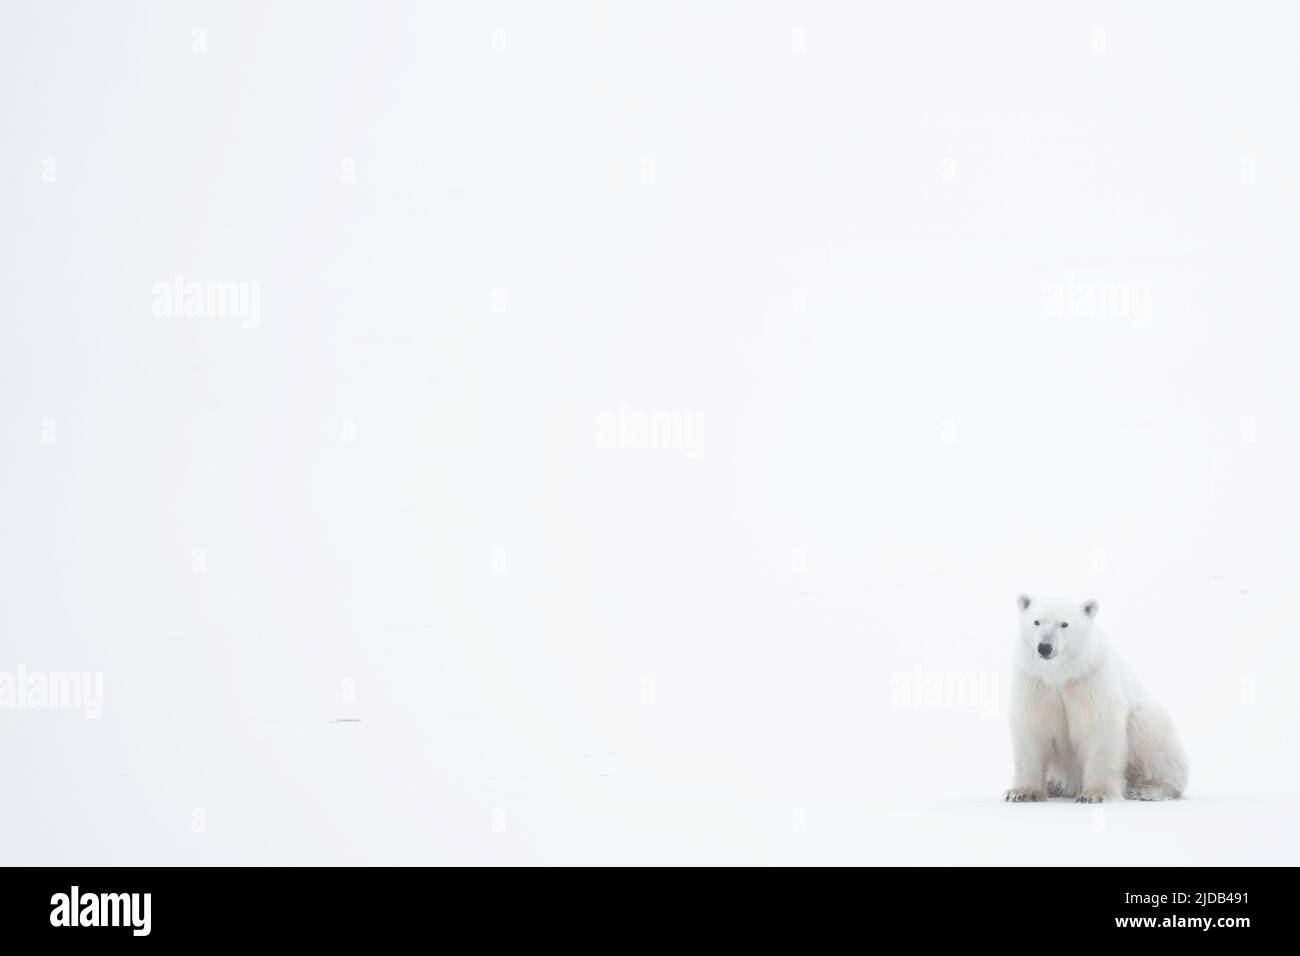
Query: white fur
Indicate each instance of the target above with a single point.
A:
(1081, 724)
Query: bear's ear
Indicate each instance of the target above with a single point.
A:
(1023, 602)
(1090, 608)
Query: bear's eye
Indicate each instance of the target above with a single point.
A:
(1035, 624)
(1065, 624)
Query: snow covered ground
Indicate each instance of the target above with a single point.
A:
(629, 428)
(800, 741)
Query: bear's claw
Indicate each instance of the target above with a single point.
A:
(1022, 796)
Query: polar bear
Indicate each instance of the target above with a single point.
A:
(1081, 724)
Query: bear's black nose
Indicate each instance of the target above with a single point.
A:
(1044, 650)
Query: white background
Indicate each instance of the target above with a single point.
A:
(824, 235)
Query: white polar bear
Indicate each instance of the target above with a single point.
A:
(1081, 724)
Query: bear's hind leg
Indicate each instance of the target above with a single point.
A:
(1138, 791)
(1157, 766)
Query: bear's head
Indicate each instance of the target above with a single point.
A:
(1054, 629)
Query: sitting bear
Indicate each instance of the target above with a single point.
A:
(1081, 724)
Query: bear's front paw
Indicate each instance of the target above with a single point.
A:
(1023, 795)
(1093, 795)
